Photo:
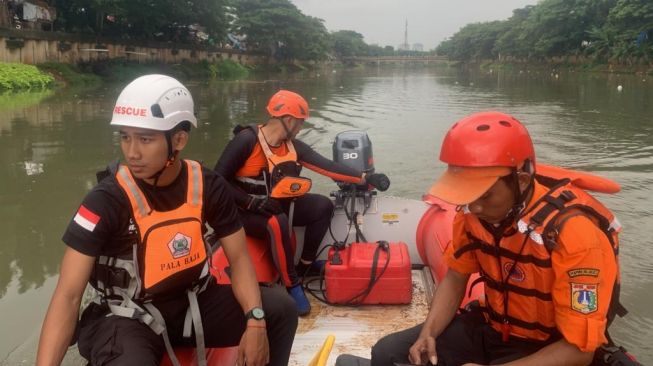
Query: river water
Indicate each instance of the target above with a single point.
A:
(52, 143)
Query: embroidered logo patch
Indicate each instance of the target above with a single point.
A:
(179, 246)
(592, 272)
(514, 273)
(584, 297)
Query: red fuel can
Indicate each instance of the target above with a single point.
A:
(348, 277)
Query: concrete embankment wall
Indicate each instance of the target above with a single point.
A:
(32, 47)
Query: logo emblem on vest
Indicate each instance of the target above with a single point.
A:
(514, 273)
(584, 297)
(179, 246)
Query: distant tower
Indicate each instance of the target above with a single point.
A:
(406, 33)
(405, 46)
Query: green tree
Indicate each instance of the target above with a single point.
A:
(512, 42)
(86, 16)
(474, 41)
(559, 27)
(347, 43)
(604, 29)
(281, 29)
(143, 19)
(602, 42)
(632, 16)
(631, 22)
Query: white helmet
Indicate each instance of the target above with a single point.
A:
(154, 102)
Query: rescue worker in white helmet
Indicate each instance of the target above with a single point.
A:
(137, 238)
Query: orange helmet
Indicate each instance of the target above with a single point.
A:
(479, 149)
(487, 139)
(287, 103)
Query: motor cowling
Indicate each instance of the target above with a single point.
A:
(354, 149)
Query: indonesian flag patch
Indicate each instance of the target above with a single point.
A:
(86, 218)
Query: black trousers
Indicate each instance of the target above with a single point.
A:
(115, 340)
(468, 338)
(313, 211)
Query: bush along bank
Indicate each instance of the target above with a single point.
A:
(16, 77)
(124, 70)
(69, 75)
(592, 67)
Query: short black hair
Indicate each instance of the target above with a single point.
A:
(182, 126)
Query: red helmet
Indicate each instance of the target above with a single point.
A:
(287, 103)
(487, 139)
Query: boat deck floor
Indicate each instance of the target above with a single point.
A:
(356, 329)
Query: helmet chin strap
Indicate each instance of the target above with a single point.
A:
(288, 134)
(172, 157)
(519, 198)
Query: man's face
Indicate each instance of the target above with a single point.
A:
(145, 151)
(493, 206)
(294, 126)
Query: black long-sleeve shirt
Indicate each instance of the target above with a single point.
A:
(242, 150)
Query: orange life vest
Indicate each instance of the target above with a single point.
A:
(170, 259)
(519, 272)
(281, 180)
(171, 253)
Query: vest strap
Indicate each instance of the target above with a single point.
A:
(194, 310)
(166, 340)
(135, 196)
(268, 152)
(498, 286)
(552, 331)
(553, 204)
(477, 244)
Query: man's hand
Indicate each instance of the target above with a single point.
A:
(254, 348)
(423, 351)
(265, 206)
(379, 181)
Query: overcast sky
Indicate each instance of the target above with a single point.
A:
(382, 22)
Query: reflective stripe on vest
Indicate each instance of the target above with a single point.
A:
(259, 184)
(275, 182)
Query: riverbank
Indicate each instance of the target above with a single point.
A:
(606, 68)
(22, 77)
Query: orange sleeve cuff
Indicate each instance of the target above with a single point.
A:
(586, 333)
(465, 264)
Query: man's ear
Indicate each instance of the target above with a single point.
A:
(524, 180)
(284, 120)
(179, 140)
